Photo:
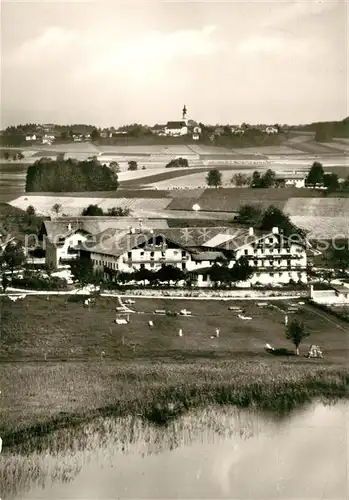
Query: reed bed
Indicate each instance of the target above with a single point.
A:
(66, 395)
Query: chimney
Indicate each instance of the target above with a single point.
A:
(250, 231)
(275, 230)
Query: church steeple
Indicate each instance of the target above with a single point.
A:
(184, 112)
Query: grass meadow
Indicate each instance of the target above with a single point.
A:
(64, 364)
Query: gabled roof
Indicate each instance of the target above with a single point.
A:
(291, 175)
(203, 243)
(175, 125)
(95, 225)
(202, 256)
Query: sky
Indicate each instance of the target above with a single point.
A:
(109, 63)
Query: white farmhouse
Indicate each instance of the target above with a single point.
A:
(30, 137)
(271, 130)
(295, 179)
(274, 258)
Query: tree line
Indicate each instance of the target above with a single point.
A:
(96, 211)
(316, 177)
(219, 272)
(70, 176)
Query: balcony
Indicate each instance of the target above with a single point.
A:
(276, 269)
(160, 260)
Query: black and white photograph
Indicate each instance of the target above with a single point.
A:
(174, 250)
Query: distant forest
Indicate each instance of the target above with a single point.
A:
(47, 175)
(325, 131)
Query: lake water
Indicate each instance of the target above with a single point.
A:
(225, 453)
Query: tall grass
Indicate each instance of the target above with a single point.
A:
(157, 393)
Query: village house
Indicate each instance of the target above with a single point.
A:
(176, 128)
(295, 179)
(48, 139)
(271, 130)
(30, 137)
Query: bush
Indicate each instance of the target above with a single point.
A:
(178, 162)
(40, 283)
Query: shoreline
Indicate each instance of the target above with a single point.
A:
(160, 392)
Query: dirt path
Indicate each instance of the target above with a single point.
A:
(127, 309)
(327, 317)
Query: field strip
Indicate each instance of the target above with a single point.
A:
(16, 291)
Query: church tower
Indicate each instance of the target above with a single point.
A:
(184, 113)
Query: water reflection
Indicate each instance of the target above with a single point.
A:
(216, 453)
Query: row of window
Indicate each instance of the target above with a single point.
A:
(276, 251)
(163, 253)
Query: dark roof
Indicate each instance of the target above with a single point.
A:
(175, 125)
(205, 243)
(96, 225)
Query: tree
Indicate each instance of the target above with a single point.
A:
(339, 257)
(241, 271)
(315, 175)
(145, 275)
(178, 162)
(114, 166)
(30, 210)
(92, 211)
(169, 273)
(214, 178)
(4, 282)
(295, 332)
(6, 155)
(240, 180)
(84, 274)
(323, 132)
(49, 268)
(95, 135)
(331, 181)
(274, 217)
(268, 179)
(119, 212)
(132, 165)
(13, 256)
(56, 208)
(20, 156)
(70, 175)
(256, 179)
(250, 214)
(220, 274)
